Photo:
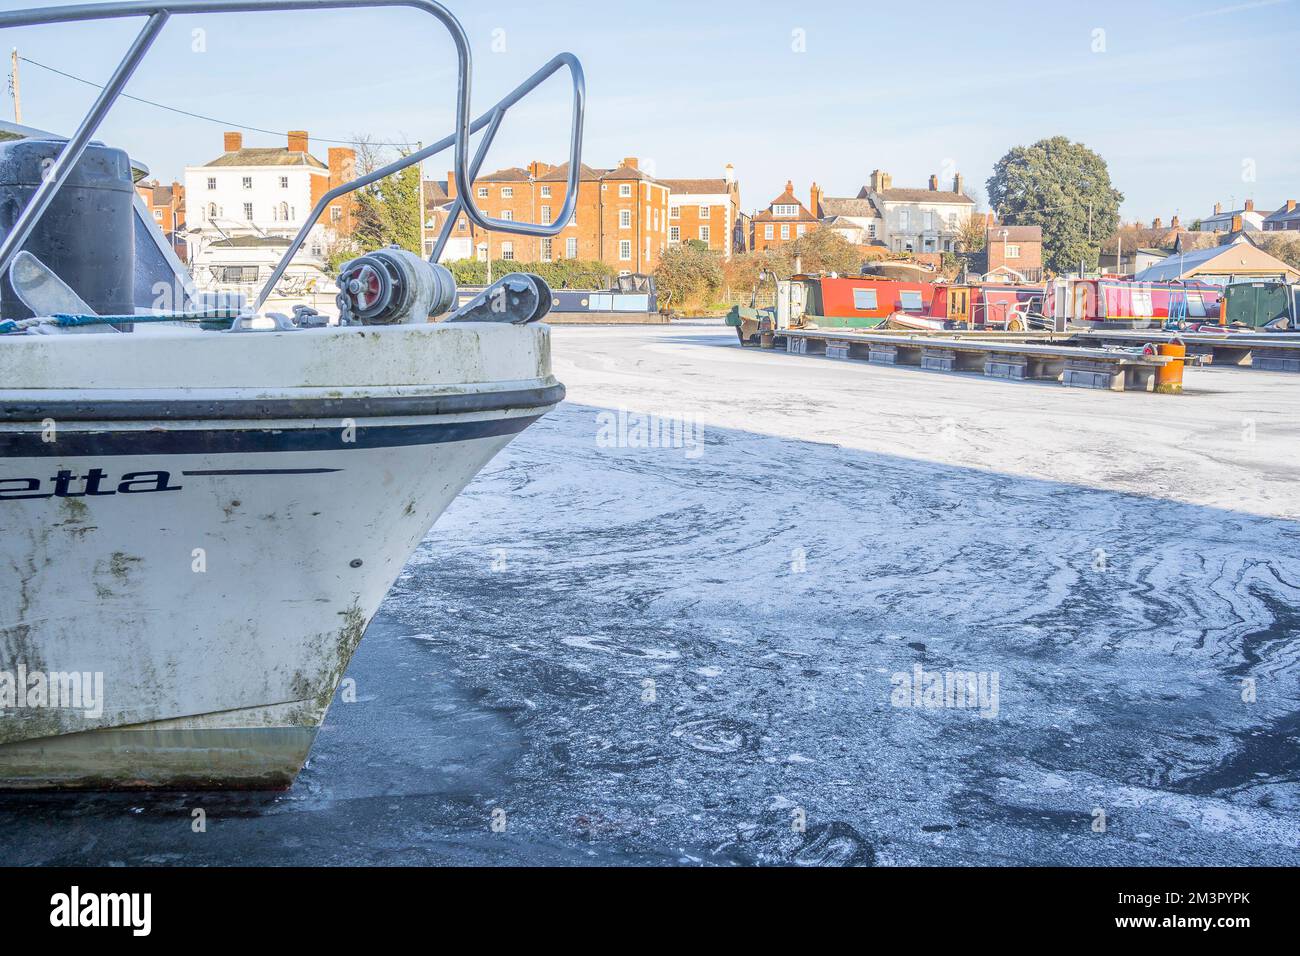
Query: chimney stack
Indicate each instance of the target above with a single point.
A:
(1290, 205)
(1250, 205)
(729, 173)
(1175, 223)
(934, 184)
(233, 142)
(451, 184)
(297, 141)
(1218, 208)
(878, 181)
(1156, 223)
(815, 194)
(957, 185)
(1236, 223)
(342, 165)
(631, 162)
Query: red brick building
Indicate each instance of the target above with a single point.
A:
(708, 211)
(166, 204)
(1015, 249)
(782, 222)
(621, 217)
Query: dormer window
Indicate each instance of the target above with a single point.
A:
(784, 209)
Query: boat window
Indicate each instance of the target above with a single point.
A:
(1195, 305)
(1140, 303)
(910, 301)
(864, 299)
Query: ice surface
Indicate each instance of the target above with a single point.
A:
(629, 654)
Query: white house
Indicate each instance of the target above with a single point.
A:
(243, 208)
(859, 221)
(1252, 219)
(919, 220)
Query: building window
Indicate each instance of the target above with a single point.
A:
(704, 233)
(1013, 252)
(546, 214)
(674, 212)
(284, 182)
(871, 231)
(785, 231)
(336, 214)
(508, 215)
(482, 192)
(157, 214)
(800, 229)
(507, 251)
(212, 210)
(546, 192)
(705, 212)
(571, 248)
(625, 189)
(625, 219)
(247, 182)
(674, 233)
(902, 219)
(625, 249)
(767, 232)
(462, 225)
(929, 220)
(248, 211)
(507, 192)
(212, 182)
(546, 250)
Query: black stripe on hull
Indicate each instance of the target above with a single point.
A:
(150, 410)
(238, 441)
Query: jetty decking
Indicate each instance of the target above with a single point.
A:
(1023, 357)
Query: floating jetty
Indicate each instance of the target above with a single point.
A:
(1012, 356)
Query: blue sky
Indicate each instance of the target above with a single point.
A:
(1185, 100)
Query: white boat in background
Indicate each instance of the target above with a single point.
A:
(201, 516)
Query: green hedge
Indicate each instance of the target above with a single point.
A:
(559, 274)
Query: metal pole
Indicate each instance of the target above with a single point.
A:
(72, 150)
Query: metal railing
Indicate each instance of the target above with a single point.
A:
(158, 12)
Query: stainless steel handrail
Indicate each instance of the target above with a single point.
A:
(491, 119)
(158, 12)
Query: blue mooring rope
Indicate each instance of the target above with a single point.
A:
(69, 320)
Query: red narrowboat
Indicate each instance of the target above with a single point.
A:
(1124, 303)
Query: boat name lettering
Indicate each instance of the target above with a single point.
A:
(96, 483)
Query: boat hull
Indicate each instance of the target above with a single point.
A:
(208, 578)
